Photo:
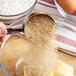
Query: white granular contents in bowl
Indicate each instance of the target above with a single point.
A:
(13, 7)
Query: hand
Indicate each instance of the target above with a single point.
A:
(3, 32)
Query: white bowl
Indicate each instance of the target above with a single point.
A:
(8, 19)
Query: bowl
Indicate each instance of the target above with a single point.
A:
(8, 19)
(65, 13)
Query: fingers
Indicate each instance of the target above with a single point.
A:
(3, 32)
